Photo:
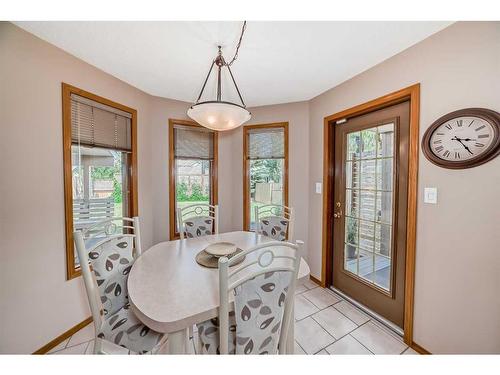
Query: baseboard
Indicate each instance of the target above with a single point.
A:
(316, 281)
(419, 349)
(70, 332)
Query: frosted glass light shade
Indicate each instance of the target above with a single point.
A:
(219, 116)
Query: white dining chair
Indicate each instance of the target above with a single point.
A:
(263, 287)
(275, 221)
(198, 220)
(106, 251)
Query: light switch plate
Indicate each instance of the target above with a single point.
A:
(430, 195)
(319, 187)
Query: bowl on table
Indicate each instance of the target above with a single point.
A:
(221, 249)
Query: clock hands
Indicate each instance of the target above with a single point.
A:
(455, 138)
(463, 139)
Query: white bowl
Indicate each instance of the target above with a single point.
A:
(221, 249)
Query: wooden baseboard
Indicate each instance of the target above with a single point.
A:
(316, 281)
(70, 332)
(419, 349)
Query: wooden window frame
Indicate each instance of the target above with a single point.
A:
(411, 94)
(67, 90)
(246, 171)
(174, 235)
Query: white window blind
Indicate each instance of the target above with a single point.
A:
(266, 143)
(95, 124)
(193, 143)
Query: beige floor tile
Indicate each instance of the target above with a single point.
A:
(410, 351)
(322, 352)
(320, 297)
(297, 349)
(303, 307)
(163, 349)
(377, 340)
(300, 289)
(310, 284)
(347, 345)
(335, 323)
(77, 349)
(352, 312)
(84, 335)
(311, 337)
(387, 330)
(58, 347)
(90, 347)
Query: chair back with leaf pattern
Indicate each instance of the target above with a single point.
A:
(263, 287)
(198, 220)
(275, 221)
(107, 251)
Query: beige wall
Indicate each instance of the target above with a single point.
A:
(457, 297)
(458, 259)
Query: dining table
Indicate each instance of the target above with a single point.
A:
(170, 292)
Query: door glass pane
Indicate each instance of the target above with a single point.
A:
(369, 204)
(266, 184)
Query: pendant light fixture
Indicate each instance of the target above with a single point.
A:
(219, 114)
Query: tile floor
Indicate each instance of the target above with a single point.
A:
(324, 324)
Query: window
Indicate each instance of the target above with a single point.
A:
(100, 165)
(265, 164)
(193, 167)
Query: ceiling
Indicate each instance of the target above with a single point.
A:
(278, 62)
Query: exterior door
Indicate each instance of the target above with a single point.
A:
(370, 203)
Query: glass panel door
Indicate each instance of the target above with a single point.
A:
(369, 189)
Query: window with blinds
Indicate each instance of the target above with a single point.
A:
(265, 168)
(98, 125)
(193, 143)
(266, 144)
(101, 162)
(193, 168)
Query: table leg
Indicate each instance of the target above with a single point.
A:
(290, 337)
(178, 342)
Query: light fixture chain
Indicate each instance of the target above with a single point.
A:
(243, 28)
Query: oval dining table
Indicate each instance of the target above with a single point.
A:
(170, 292)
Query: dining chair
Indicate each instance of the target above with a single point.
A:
(263, 289)
(197, 220)
(106, 251)
(275, 221)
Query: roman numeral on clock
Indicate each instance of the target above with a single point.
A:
(448, 126)
(446, 153)
(457, 155)
(481, 127)
(483, 136)
(438, 141)
(439, 148)
(460, 122)
(479, 144)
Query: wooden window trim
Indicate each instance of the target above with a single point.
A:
(67, 90)
(411, 93)
(171, 172)
(246, 172)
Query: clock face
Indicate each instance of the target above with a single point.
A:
(462, 138)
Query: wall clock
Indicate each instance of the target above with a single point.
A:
(463, 139)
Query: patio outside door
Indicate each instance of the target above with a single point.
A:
(370, 200)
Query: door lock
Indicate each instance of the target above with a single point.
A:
(338, 214)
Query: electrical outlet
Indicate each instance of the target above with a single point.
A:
(319, 187)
